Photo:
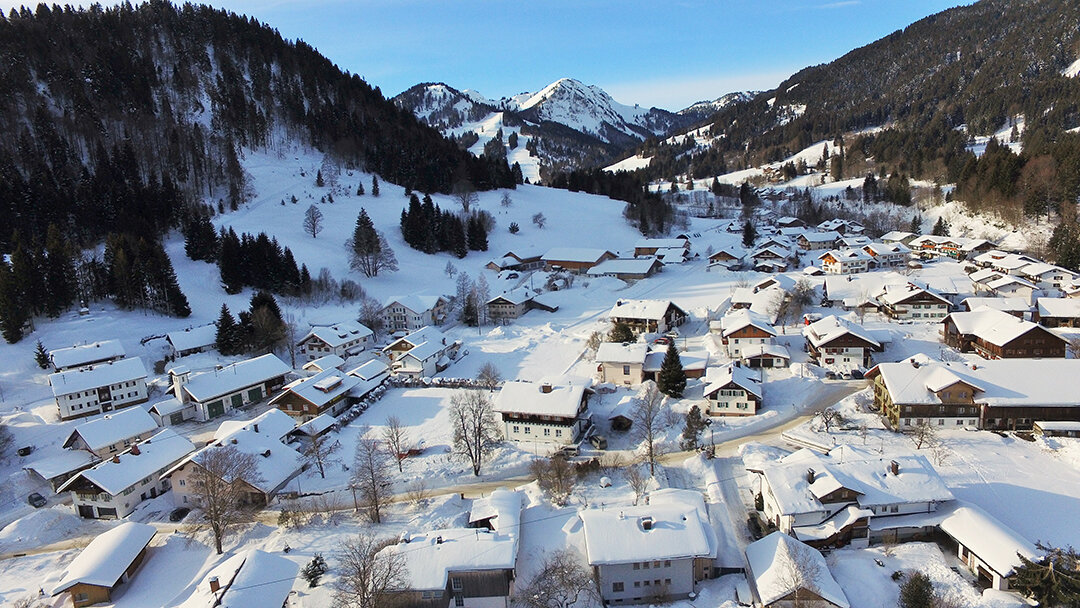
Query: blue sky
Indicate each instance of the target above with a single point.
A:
(668, 54)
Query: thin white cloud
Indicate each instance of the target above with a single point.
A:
(677, 93)
(840, 4)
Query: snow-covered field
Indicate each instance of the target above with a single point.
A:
(1004, 475)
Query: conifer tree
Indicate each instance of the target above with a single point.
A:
(672, 378)
(319, 183)
(229, 263)
(59, 270)
(692, 429)
(14, 311)
(374, 185)
(360, 189)
(620, 332)
(917, 592)
(225, 340)
(749, 234)
(41, 356)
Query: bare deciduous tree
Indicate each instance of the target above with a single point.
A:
(418, 491)
(366, 573)
(637, 480)
(647, 418)
(371, 314)
(320, 450)
(489, 376)
(397, 439)
(313, 221)
(798, 572)
(476, 430)
(831, 417)
(465, 194)
(924, 435)
(371, 477)
(555, 476)
(539, 220)
(223, 479)
(562, 580)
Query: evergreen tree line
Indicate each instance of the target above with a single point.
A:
(426, 227)
(46, 279)
(646, 210)
(105, 111)
(259, 328)
(259, 261)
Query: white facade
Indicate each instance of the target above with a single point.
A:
(560, 432)
(99, 388)
(731, 402)
(646, 581)
(342, 340)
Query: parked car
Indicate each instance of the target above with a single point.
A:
(662, 340)
(598, 441)
(26, 450)
(568, 451)
(36, 500)
(179, 513)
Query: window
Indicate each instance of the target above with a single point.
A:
(183, 482)
(517, 429)
(667, 581)
(455, 583)
(527, 430)
(637, 566)
(656, 564)
(895, 508)
(80, 597)
(667, 564)
(637, 584)
(558, 432)
(617, 587)
(547, 432)
(645, 565)
(626, 370)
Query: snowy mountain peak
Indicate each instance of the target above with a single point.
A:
(711, 107)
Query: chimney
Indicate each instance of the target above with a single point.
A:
(810, 475)
(234, 440)
(914, 363)
(438, 540)
(135, 450)
(116, 459)
(646, 523)
(214, 584)
(545, 388)
(255, 427)
(894, 467)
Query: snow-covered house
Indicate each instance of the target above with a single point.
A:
(1047, 276)
(84, 391)
(845, 261)
(649, 247)
(836, 342)
(650, 552)
(410, 313)
(113, 488)
(897, 236)
(1057, 312)
(323, 363)
(852, 242)
(86, 354)
(325, 392)
(373, 371)
(813, 241)
(543, 412)
(849, 496)
(732, 390)
(249, 578)
(629, 269)
(518, 259)
(914, 302)
(191, 340)
(342, 339)
(887, 255)
(785, 573)
(516, 302)
(316, 427)
(109, 560)
(170, 412)
(425, 335)
(112, 433)
(988, 547)
(1004, 262)
(694, 362)
(1017, 307)
(996, 394)
(993, 334)
(276, 464)
(742, 328)
(651, 316)
(727, 257)
(765, 355)
(222, 390)
(575, 259)
(842, 226)
(273, 423)
(622, 363)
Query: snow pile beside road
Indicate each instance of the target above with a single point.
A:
(39, 528)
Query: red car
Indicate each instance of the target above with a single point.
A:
(662, 340)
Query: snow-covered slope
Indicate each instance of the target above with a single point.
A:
(706, 108)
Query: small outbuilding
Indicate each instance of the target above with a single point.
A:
(109, 560)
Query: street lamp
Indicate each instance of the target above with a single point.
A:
(712, 444)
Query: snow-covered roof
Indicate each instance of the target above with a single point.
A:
(833, 525)
(432, 555)
(273, 423)
(765, 350)
(854, 241)
(996, 327)
(615, 352)
(145, 460)
(339, 334)
(1059, 307)
(692, 360)
(625, 266)
(574, 254)
(652, 310)
(916, 481)
(985, 536)
(770, 251)
(1038, 269)
(662, 243)
(820, 237)
(324, 363)
(1002, 382)
(830, 328)
(896, 236)
(275, 462)
(426, 333)
(668, 530)
(248, 579)
(75, 356)
(518, 397)
(424, 351)
(846, 255)
(316, 426)
(886, 249)
(743, 317)
(502, 507)
(60, 463)
(780, 564)
(1058, 425)
(1009, 304)
(370, 370)
(193, 338)
(896, 294)
(229, 379)
(105, 559)
(113, 428)
(719, 377)
(320, 389)
(417, 303)
(1009, 280)
(96, 376)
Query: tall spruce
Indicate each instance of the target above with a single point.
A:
(59, 267)
(672, 378)
(226, 340)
